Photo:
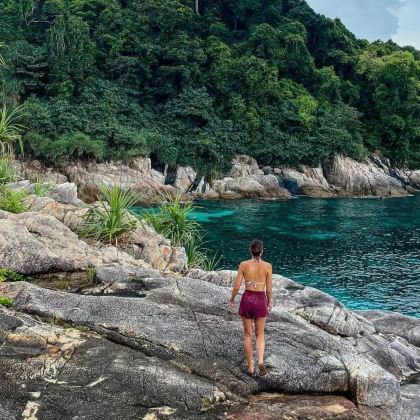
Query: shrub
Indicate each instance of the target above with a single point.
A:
(198, 258)
(111, 218)
(9, 275)
(12, 200)
(66, 147)
(7, 173)
(7, 302)
(10, 130)
(174, 221)
(41, 188)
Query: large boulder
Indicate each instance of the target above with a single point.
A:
(143, 244)
(68, 214)
(136, 175)
(66, 193)
(362, 178)
(414, 178)
(304, 180)
(184, 177)
(313, 343)
(395, 323)
(244, 166)
(255, 186)
(34, 243)
(157, 251)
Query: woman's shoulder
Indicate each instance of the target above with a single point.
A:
(244, 263)
(267, 265)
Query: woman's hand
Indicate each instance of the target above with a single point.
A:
(231, 305)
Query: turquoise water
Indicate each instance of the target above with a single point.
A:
(365, 252)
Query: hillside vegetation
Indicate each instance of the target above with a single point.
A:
(269, 78)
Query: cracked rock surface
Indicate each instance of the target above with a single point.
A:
(174, 344)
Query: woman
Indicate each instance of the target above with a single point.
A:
(256, 301)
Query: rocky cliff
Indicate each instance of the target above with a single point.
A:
(341, 176)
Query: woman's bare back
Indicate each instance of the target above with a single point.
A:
(256, 273)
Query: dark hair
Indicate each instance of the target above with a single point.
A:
(256, 248)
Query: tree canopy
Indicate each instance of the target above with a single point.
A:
(196, 81)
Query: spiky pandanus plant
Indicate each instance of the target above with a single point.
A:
(10, 130)
(174, 220)
(111, 218)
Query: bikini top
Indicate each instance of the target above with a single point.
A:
(254, 283)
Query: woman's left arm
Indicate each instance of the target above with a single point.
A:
(236, 286)
(269, 288)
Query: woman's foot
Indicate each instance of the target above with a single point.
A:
(251, 369)
(262, 369)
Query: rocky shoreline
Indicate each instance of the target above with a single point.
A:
(132, 331)
(340, 177)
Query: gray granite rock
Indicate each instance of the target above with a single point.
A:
(313, 343)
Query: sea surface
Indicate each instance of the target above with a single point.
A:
(365, 252)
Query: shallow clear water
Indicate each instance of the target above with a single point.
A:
(365, 252)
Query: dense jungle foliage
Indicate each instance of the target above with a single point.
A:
(196, 81)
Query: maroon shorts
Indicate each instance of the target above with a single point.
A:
(253, 305)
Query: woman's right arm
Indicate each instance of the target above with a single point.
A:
(237, 285)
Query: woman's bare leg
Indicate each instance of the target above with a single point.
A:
(260, 339)
(248, 343)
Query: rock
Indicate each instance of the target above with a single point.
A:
(184, 177)
(268, 170)
(243, 166)
(396, 324)
(144, 245)
(271, 406)
(136, 176)
(20, 185)
(414, 178)
(69, 215)
(361, 178)
(34, 243)
(211, 195)
(257, 186)
(141, 164)
(32, 170)
(157, 251)
(313, 343)
(246, 180)
(66, 193)
(304, 180)
(65, 372)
